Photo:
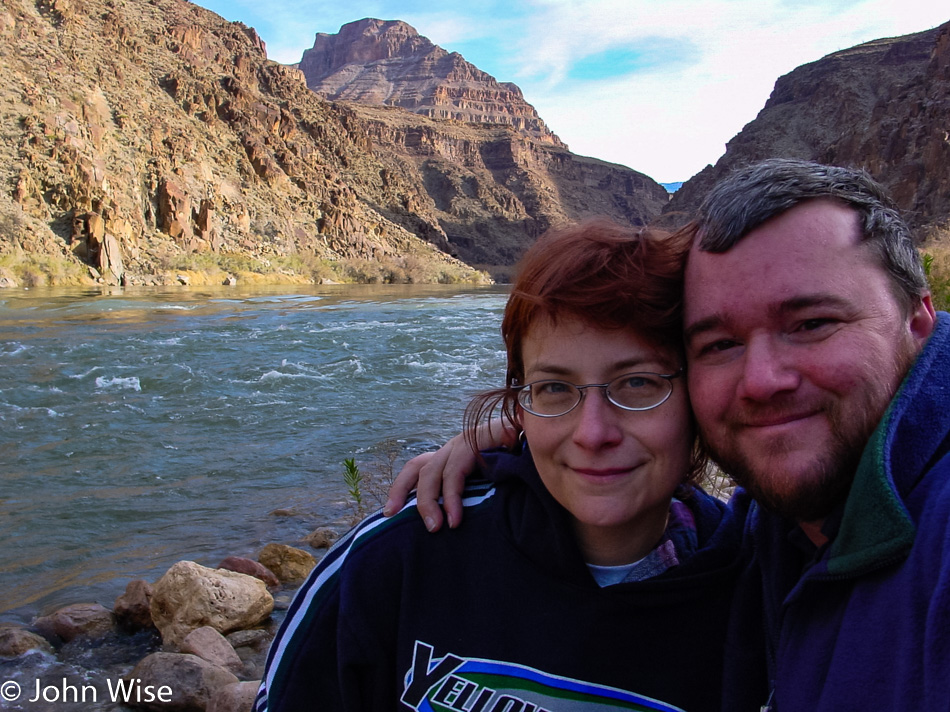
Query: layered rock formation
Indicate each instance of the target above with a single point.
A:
(882, 106)
(147, 137)
(388, 63)
(493, 177)
(161, 129)
(493, 190)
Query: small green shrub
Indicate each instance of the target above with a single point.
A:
(937, 271)
(374, 483)
(353, 479)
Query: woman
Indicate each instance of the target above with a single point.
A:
(591, 573)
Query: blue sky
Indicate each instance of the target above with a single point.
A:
(657, 85)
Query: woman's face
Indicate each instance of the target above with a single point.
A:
(615, 471)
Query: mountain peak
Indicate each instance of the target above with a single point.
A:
(388, 63)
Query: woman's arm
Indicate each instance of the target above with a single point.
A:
(444, 472)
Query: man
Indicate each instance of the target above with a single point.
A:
(816, 373)
(805, 309)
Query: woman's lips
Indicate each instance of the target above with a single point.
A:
(603, 472)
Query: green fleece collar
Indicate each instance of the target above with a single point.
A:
(876, 528)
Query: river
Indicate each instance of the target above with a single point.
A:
(140, 427)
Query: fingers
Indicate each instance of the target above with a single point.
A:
(424, 474)
(460, 462)
(428, 490)
(443, 472)
(404, 483)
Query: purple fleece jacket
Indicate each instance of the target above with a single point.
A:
(864, 622)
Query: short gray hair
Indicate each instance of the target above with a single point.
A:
(744, 200)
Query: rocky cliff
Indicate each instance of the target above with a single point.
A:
(159, 132)
(143, 138)
(388, 63)
(478, 157)
(882, 106)
(492, 190)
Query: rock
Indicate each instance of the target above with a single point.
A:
(174, 211)
(7, 279)
(183, 279)
(288, 563)
(133, 608)
(252, 638)
(378, 62)
(322, 538)
(190, 596)
(250, 567)
(110, 260)
(89, 620)
(283, 600)
(881, 106)
(236, 697)
(15, 641)
(229, 281)
(187, 682)
(208, 644)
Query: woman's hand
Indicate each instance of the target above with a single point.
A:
(444, 472)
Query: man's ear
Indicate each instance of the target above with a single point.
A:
(922, 319)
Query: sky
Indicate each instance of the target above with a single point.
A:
(657, 85)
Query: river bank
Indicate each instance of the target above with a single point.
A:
(196, 639)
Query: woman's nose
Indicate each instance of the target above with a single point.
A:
(596, 420)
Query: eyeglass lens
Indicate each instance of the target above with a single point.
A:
(632, 391)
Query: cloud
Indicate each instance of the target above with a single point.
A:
(659, 86)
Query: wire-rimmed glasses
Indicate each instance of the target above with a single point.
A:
(632, 391)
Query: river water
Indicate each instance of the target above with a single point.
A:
(141, 427)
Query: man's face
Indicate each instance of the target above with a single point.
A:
(795, 345)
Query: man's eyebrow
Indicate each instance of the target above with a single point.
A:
(708, 324)
(788, 306)
(821, 299)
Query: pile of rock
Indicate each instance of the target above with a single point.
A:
(215, 627)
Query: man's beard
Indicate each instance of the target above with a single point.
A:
(827, 479)
(811, 497)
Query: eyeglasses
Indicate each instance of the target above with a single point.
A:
(631, 391)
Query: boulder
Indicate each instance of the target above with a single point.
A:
(208, 644)
(236, 697)
(191, 681)
(15, 641)
(110, 260)
(7, 279)
(289, 564)
(190, 596)
(322, 538)
(133, 608)
(255, 638)
(89, 620)
(250, 567)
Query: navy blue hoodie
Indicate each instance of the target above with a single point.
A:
(502, 615)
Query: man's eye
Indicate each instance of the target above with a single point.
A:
(812, 324)
(718, 346)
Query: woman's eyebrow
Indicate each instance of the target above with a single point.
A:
(632, 364)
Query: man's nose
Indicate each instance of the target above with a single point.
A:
(767, 369)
